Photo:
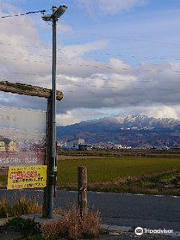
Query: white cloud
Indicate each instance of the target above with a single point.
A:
(110, 7)
(119, 84)
(78, 115)
(163, 112)
(63, 28)
(115, 6)
(68, 118)
(82, 114)
(79, 50)
(156, 111)
(89, 85)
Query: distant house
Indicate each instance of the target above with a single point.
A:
(85, 147)
(75, 144)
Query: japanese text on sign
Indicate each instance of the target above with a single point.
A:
(27, 177)
(22, 137)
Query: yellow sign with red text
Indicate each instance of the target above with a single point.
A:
(27, 177)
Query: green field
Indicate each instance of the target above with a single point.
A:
(123, 174)
(108, 172)
(110, 169)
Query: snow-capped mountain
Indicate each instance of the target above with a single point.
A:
(135, 121)
(132, 130)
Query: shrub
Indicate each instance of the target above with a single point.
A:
(34, 237)
(27, 227)
(18, 206)
(74, 226)
(38, 237)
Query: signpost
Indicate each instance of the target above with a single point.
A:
(22, 134)
(24, 141)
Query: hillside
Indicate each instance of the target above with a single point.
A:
(135, 131)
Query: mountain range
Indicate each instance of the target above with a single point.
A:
(134, 131)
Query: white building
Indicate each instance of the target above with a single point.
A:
(75, 143)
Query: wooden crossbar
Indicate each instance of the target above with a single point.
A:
(30, 90)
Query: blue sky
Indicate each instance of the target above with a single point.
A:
(115, 57)
(127, 30)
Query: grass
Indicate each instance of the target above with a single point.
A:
(110, 169)
(27, 227)
(21, 205)
(74, 225)
(3, 180)
(145, 173)
(18, 206)
(126, 174)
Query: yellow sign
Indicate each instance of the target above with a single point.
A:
(27, 177)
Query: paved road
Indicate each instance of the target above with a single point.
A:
(128, 236)
(15, 236)
(146, 211)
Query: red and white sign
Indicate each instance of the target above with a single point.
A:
(22, 137)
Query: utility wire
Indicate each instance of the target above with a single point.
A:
(23, 14)
(95, 34)
(127, 38)
(11, 23)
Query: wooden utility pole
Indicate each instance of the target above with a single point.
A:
(82, 189)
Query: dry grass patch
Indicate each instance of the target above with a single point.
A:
(74, 225)
(16, 206)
